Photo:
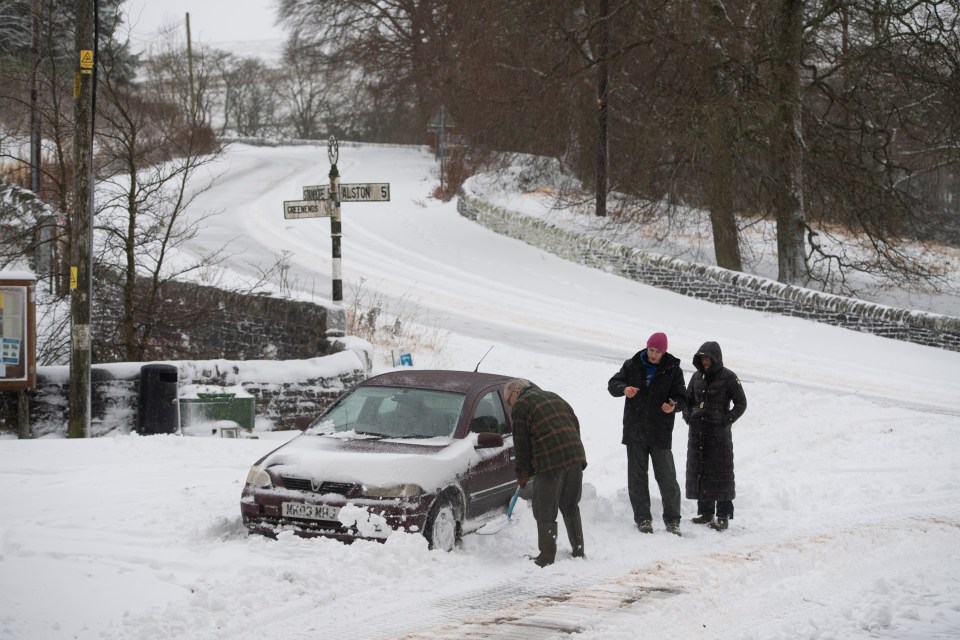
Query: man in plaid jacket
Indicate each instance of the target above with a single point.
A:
(546, 441)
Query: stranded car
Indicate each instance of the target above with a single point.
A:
(417, 451)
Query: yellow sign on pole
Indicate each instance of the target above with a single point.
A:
(86, 61)
(73, 277)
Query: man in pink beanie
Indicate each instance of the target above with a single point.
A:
(652, 383)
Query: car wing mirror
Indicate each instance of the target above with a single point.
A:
(488, 441)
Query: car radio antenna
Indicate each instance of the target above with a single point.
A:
(477, 368)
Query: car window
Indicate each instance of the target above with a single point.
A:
(394, 413)
(489, 416)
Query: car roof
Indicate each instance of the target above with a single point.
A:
(440, 379)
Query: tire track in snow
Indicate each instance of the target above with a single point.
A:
(678, 587)
(706, 591)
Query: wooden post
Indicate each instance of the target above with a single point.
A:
(23, 414)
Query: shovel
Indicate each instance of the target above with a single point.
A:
(502, 521)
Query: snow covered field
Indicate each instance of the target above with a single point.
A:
(847, 521)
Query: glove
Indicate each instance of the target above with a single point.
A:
(522, 479)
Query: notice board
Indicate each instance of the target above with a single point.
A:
(18, 358)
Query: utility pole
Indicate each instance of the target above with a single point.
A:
(440, 122)
(603, 79)
(35, 98)
(81, 223)
(193, 95)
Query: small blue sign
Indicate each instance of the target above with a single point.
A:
(10, 351)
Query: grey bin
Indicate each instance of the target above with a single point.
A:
(158, 411)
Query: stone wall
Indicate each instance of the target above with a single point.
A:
(283, 390)
(717, 285)
(203, 322)
(188, 320)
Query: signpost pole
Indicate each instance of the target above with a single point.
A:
(335, 234)
(323, 201)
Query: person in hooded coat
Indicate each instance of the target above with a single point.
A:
(652, 383)
(715, 400)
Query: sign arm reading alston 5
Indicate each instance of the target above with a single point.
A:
(371, 192)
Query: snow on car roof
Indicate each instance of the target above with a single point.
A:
(440, 379)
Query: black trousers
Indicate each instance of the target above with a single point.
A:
(638, 482)
(723, 508)
(557, 490)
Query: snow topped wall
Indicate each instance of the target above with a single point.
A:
(283, 389)
(708, 282)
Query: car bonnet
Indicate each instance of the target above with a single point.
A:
(431, 464)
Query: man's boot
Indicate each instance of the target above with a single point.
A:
(547, 541)
(575, 535)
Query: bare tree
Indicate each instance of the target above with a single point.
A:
(401, 46)
(308, 88)
(169, 78)
(251, 99)
(882, 128)
(149, 149)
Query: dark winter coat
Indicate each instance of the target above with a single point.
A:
(715, 400)
(644, 421)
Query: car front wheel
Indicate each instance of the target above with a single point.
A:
(442, 530)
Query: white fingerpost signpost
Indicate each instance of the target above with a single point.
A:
(323, 201)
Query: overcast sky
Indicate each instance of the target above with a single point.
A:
(211, 21)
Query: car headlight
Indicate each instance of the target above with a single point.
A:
(393, 491)
(259, 477)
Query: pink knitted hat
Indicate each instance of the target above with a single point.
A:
(658, 341)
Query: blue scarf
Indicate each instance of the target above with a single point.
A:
(649, 366)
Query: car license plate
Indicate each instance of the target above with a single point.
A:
(310, 511)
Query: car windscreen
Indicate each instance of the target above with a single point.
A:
(393, 412)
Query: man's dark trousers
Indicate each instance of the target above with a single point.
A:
(638, 483)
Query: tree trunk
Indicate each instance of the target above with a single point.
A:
(720, 176)
(786, 137)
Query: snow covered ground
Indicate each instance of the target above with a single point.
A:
(847, 521)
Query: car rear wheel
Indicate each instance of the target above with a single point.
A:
(442, 530)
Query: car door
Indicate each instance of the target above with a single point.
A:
(491, 481)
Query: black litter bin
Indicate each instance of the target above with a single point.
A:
(158, 411)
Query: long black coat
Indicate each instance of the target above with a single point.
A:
(644, 421)
(710, 417)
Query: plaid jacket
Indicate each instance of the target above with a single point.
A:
(546, 433)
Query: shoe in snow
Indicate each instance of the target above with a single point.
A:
(719, 525)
